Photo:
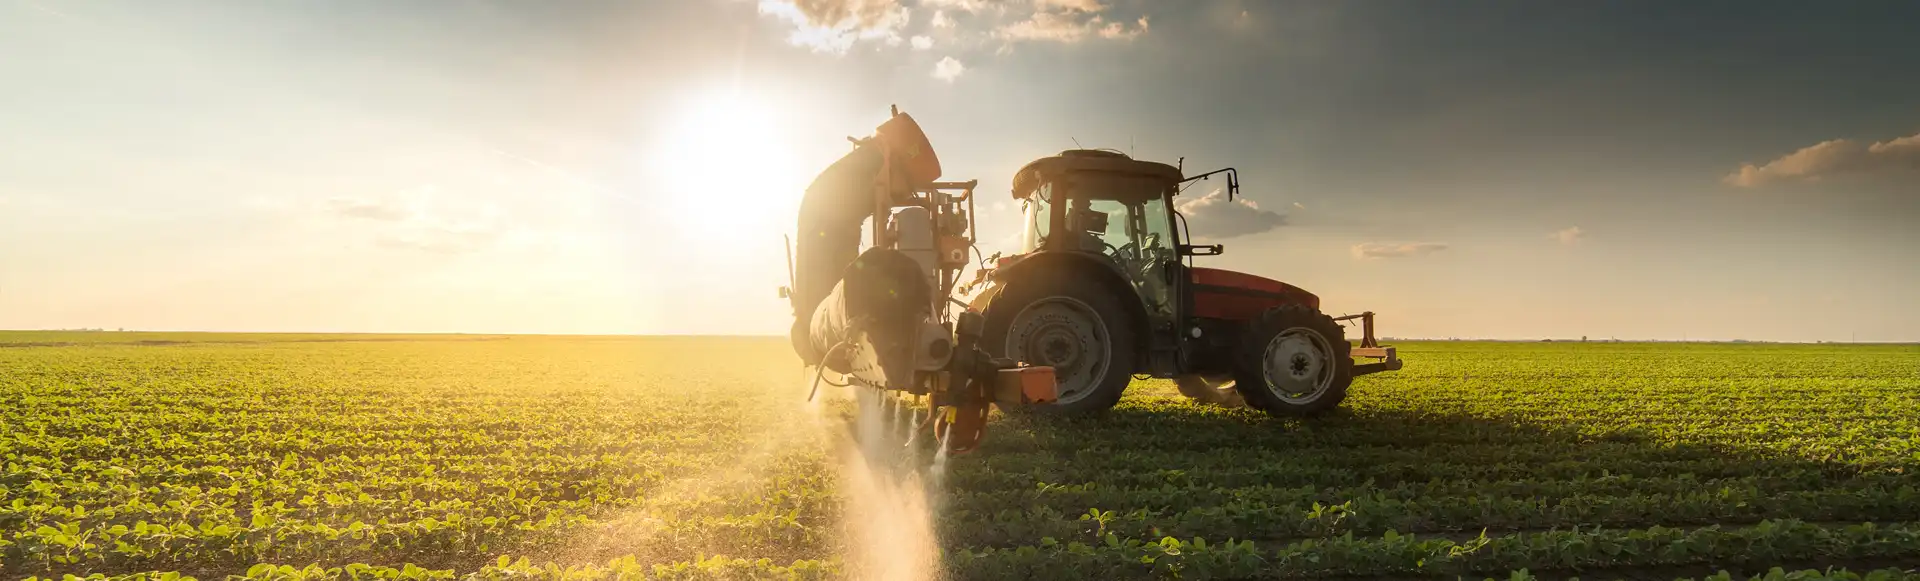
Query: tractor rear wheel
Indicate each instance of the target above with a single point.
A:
(1074, 324)
(1293, 361)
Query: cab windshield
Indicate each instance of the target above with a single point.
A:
(1124, 220)
(1039, 213)
(1127, 214)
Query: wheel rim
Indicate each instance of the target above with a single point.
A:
(1066, 334)
(1298, 365)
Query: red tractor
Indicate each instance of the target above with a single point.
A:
(1103, 289)
(1099, 292)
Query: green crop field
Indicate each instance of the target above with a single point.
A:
(454, 456)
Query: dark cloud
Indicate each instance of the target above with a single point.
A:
(1375, 250)
(1214, 216)
(1832, 158)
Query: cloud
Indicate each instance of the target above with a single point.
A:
(948, 69)
(1376, 250)
(836, 26)
(1070, 26)
(1080, 5)
(1214, 216)
(833, 26)
(1569, 236)
(858, 13)
(1833, 158)
(370, 209)
(967, 6)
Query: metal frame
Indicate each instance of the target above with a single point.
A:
(1370, 348)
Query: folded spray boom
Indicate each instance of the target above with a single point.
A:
(881, 317)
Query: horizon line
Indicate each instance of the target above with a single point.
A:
(779, 336)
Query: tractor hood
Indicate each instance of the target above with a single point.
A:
(1238, 296)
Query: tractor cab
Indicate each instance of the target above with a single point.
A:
(1111, 207)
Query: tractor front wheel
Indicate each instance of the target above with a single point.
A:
(1073, 324)
(1293, 361)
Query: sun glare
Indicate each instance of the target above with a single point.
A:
(728, 169)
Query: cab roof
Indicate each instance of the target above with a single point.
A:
(1105, 161)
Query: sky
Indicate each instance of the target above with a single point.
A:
(1490, 169)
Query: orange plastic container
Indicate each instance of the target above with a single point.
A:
(907, 146)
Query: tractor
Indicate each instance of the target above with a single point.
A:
(1103, 288)
(1098, 292)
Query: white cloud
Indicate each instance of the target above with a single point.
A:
(948, 69)
(967, 6)
(1570, 236)
(1118, 31)
(834, 26)
(860, 13)
(1214, 216)
(1079, 5)
(1832, 158)
(1375, 250)
(1071, 26)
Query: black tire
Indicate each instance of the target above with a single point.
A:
(1316, 374)
(1057, 289)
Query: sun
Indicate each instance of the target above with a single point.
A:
(727, 169)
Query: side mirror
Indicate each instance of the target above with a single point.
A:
(1201, 249)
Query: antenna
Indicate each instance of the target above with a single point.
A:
(1076, 143)
(1130, 145)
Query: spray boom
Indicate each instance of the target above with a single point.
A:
(880, 317)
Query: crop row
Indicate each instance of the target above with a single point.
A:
(648, 455)
(1269, 518)
(1169, 557)
(208, 458)
(1396, 554)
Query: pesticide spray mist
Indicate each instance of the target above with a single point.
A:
(890, 502)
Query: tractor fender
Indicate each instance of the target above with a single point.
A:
(1088, 266)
